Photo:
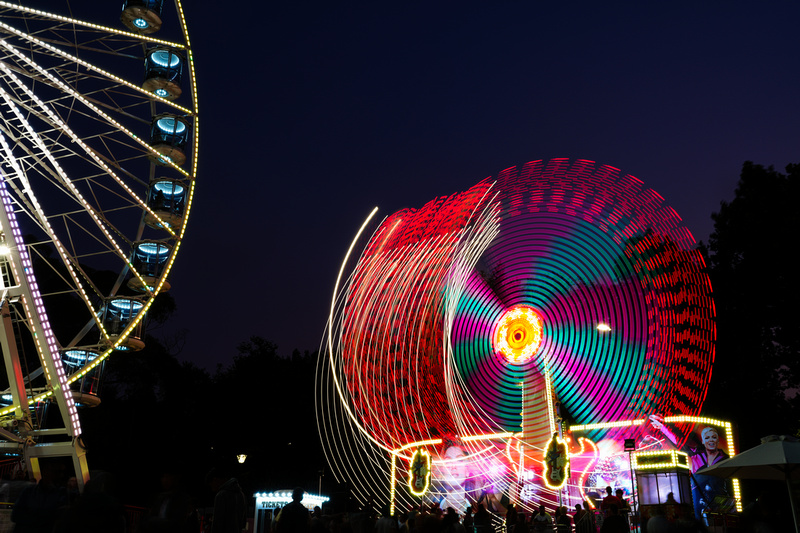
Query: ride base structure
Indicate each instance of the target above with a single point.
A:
(498, 469)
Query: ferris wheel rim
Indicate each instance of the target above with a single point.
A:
(187, 176)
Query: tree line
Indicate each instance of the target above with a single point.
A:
(162, 415)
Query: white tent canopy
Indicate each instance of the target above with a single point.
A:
(776, 458)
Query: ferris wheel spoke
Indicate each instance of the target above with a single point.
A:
(130, 136)
(133, 198)
(42, 220)
(70, 72)
(102, 225)
(54, 21)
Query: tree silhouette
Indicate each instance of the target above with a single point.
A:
(153, 418)
(161, 415)
(753, 268)
(267, 401)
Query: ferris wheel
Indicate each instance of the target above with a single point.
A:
(98, 144)
(469, 329)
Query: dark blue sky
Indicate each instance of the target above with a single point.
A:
(312, 113)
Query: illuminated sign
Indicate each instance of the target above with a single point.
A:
(419, 472)
(660, 459)
(556, 463)
(279, 498)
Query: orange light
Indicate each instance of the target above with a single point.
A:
(518, 334)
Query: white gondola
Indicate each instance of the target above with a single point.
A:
(169, 135)
(86, 390)
(166, 200)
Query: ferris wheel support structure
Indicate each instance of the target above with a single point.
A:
(23, 289)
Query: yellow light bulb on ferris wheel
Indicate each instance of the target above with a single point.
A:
(518, 334)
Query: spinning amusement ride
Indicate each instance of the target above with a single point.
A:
(98, 135)
(499, 345)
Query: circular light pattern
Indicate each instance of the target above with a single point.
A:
(518, 334)
(165, 58)
(169, 188)
(125, 307)
(412, 346)
(171, 125)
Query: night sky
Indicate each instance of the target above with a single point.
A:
(313, 113)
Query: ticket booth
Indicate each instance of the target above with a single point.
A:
(663, 478)
(269, 505)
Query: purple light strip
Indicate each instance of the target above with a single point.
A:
(27, 267)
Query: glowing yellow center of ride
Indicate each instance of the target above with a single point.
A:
(518, 334)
